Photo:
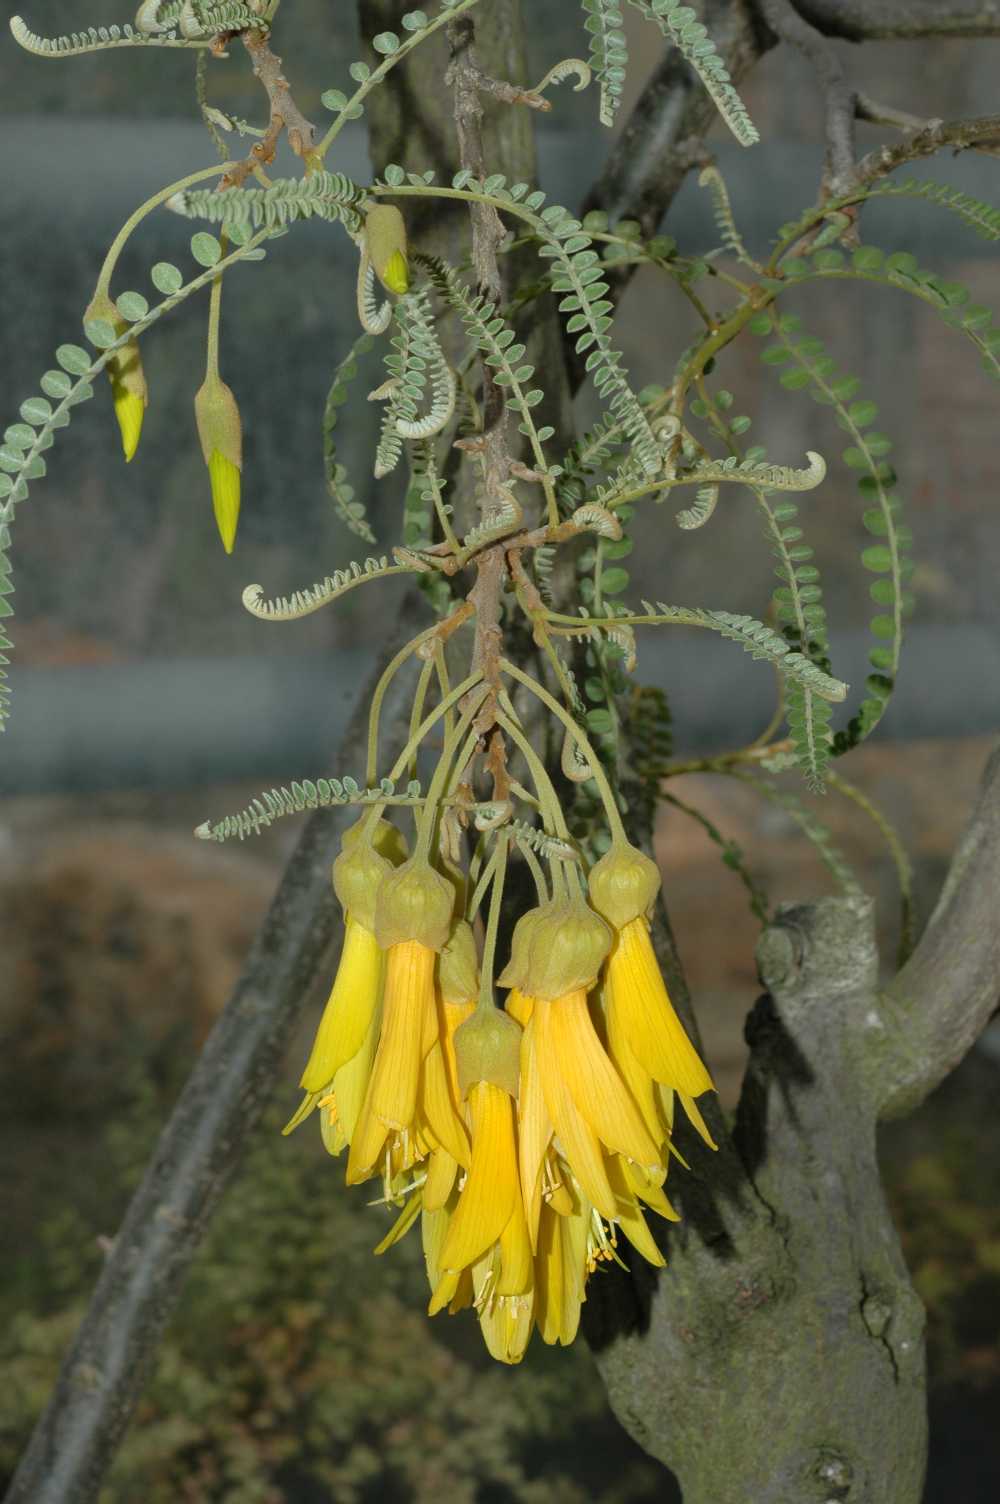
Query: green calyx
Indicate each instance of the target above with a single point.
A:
(556, 949)
(367, 856)
(385, 239)
(358, 874)
(458, 968)
(488, 1048)
(414, 903)
(387, 840)
(218, 420)
(623, 884)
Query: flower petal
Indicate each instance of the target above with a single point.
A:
(438, 1109)
(348, 1012)
(549, 1277)
(637, 993)
(534, 1129)
(638, 1080)
(594, 1084)
(402, 1224)
(408, 999)
(441, 1172)
(491, 1188)
(577, 1140)
(629, 1217)
(350, 1084)
(647, 1189)
(516, 1264)
(697, 1121)
(506, 1326)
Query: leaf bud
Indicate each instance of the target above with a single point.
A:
(414, 903)
(556, 949)
(458, 968)
(488, 1048)
(385, 239)
(221, 435)
(623, 884)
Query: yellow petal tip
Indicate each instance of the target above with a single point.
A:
(395, 274)
(130, 411)
(225, 480)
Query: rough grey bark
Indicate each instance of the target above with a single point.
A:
(780, 1355)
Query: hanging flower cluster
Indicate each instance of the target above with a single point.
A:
(527, 1139)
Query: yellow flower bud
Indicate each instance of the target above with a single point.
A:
(488, 1048)
(414, 903)
(358, 874)
(221, 435)
(624, 884)
(385, 238)
(565, 949)
(128, 381)
(458, 968)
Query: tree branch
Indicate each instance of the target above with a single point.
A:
(106, 1369)
(840, 173)
(941, 1001)
(901, 20)
(285, 113)
(651, 158)
(980, 134)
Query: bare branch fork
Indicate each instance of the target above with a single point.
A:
(840, 99)
(285, 113)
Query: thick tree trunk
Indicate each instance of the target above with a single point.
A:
(779, 1357)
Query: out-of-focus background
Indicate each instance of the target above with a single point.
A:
(146, 699)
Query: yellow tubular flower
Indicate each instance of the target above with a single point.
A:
(444, 1165)
(348, 1030)
(491, 1194)
(412, 921)
(594, 1085)
(348, 1014)
(391, 1101)
(340, 1105)
(586, 1099)
(561, 1273)
(646, 1037)
(639, 1005)
(484, 1232)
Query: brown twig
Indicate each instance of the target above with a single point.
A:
(468, 82)
(876, 113)
(285, 113)
(979, 134)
